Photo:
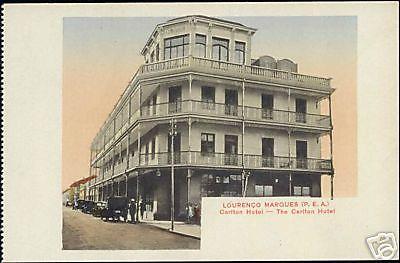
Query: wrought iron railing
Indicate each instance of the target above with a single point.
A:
(226, 110)
(235, 160)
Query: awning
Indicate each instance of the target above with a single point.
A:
(83, 181)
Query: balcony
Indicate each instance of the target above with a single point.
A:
(208, 66)
(255, 73)
(292, 163)
(287, 117)
(223, 160)
(235, 111)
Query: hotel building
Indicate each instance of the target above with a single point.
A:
(243, 126)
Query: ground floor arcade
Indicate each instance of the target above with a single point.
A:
(153, 187)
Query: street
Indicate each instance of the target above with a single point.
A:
(83, 231)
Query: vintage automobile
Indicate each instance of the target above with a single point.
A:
(117, 206)
(80, 203)
(88, 207)
(98, 208)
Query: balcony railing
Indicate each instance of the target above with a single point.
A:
(224, 110)
(291, 117)
(249, 72)
(235, 160)
(164, 158)
(215, 159)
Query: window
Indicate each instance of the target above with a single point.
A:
(123, 155)
(175, 99)
(267, 103)
(208, 94)
(220, 49)
(153, 148)
(301, 154)
(267, 152)
(231, 149)
(208, 98)
(263, 190)
(146, 153)
(152, 57)
(200, 47)
(157, 52)
(231, 102)
(176, 47)
(207, 143)
(301, 109)
(301, 190)
(239, 52)
(220, 185)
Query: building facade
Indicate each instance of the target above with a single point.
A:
(243, 126)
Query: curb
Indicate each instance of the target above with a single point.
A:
(174, 232)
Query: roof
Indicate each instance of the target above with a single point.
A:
(207, 17)
(82, 181)
(188, 17)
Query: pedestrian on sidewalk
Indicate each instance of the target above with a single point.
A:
(197, 213)
(132, 210)
(190, 212)
(142, 208)
(75, 204)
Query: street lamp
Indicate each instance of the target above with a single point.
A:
(172, 133)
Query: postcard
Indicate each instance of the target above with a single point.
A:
(232, 131)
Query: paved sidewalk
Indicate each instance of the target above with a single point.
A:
(181, 228)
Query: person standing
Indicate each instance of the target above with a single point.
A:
(75, 204)
(142, 208)
(190, 213)
(132, 210)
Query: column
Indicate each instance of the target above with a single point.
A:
(248, 50)
(137, 196)
(190, 93)
(126, 185)
(138, 144)
(290, 162)
(102, 192)
(112, 187)
(289, 142)
(209, 42)
(192, 37)
(118, 183)
(232, 46)
(161, 43)
(331, 144)
(243, 167)
(189, 176)
(113, 162)
(140, 100)
(128, 142)
(190, 139)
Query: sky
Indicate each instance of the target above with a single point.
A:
(100, 56)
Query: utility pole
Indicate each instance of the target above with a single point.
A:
(172, 133)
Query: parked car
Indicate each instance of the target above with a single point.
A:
(98, 208)
(80, 203)
(88, 207)
(117, 206)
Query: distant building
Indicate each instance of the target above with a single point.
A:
(80, 188)
(244, 126)
(66, 196)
